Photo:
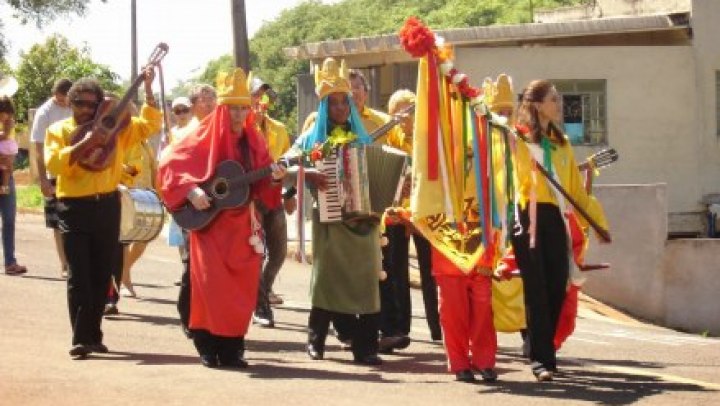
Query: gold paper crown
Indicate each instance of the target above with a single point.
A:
(331, 78)
(503, 97)
(232, 88)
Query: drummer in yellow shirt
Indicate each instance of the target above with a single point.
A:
(89, 205)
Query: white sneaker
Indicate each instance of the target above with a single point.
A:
(127, 292)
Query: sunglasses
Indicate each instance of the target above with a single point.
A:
(181, 111)
(85, 103)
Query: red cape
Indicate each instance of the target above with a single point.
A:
(224, 268)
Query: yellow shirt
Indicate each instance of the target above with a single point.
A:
(398, 139)
(140, 156)
(75, 181)
(565, 167)
(373, 119)
(276, 137)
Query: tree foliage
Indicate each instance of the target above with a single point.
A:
(43, 64)
(40, 12)
(313, 21)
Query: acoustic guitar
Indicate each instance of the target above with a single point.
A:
(228, 188)
(111, 117)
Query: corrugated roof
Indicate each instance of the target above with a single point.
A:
(497, 33)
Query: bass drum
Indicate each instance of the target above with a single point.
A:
(142, 215)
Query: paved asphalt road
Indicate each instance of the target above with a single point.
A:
(150, 362)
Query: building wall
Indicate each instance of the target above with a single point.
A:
(652, 108)
(635, 282)
(706, 58)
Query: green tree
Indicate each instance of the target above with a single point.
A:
(313, 21)
(40, 67)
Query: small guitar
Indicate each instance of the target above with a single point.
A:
(228, 188)
(598, 160)
(111, 117)
(394, 120)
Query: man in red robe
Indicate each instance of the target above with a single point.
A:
(225, 255)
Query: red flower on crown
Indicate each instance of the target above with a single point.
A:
(416, 38)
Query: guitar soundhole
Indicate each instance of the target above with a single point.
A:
(220, 188)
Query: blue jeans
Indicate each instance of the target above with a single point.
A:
(7, 212)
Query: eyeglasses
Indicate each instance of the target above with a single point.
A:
(89, 104)
(181, 111)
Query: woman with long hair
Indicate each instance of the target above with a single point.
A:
(541, 243)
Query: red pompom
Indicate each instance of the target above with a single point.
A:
(416, 38)
(522, 129)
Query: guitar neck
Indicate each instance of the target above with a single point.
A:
(125, 100)
(257, 174)
(394, 120)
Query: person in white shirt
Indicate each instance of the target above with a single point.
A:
(56, 108)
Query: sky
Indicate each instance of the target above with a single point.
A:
(196, 32)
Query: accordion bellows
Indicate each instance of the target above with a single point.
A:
(362, 181)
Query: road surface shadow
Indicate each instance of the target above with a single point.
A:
(584, 383)
(142, 358)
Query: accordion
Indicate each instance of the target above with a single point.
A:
(362, 181)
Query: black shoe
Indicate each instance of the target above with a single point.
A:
(233, 362)
(465, 375)
(262, 321)
(436, 336)
(99, 348)
(79, 351)
(488, 375)
(386, 345)
(209, 361)
(314, 353)
(402, 343)
(372, 360)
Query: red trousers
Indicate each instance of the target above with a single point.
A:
(467, 321)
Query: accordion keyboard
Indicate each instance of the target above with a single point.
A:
(329, 202)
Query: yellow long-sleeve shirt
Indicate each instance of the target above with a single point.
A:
(564, 165)
(75, 181)
(276, 136)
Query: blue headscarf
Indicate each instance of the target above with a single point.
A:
(319, 132)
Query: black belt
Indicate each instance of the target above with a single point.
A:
(91, 198)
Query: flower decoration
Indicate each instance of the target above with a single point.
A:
(337, 138)
(419, 41)
(416, 38)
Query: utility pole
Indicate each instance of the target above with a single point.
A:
(241, 49)
(133, 46)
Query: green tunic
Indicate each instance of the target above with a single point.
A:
(346, 267)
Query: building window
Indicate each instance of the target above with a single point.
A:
(717, 102)
(584, 110)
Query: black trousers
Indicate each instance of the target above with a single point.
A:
(544, 271)
(90, 228)
(226, 349)
(183, 304)
(396, 304)
(362, 329)
(117, 269)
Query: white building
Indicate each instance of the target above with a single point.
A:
(644, 74)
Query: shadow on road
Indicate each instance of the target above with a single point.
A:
(582, 382)
(151, 358)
